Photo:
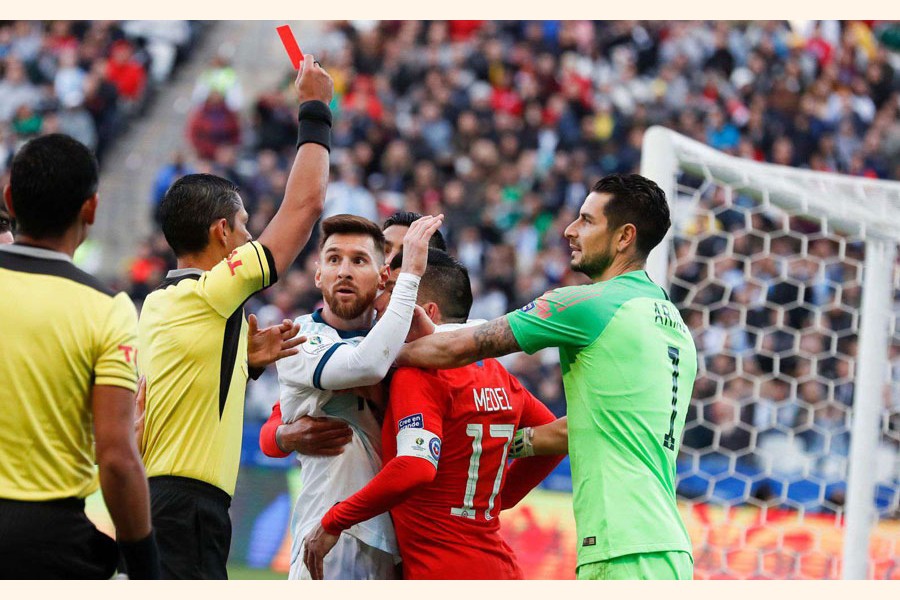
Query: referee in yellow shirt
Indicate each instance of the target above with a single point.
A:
(192, 336)
(67, 366)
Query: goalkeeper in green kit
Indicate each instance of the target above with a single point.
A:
(628, 364)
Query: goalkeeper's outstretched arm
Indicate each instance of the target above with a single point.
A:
(461, 347)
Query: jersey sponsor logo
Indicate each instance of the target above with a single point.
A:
(589, 541)
(434, 446)
(130, 351)
(233, 264)
(491, 399)
(528, 307)
(415, 421)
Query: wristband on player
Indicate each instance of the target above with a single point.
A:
(522, 445)
(315, 124)
(141, 558)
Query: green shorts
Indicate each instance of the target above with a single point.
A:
(649, 565)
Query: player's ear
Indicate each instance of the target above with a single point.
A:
(89, 209)
(318, 276)
(383, 275)
(7, 200)
(218, 232)
(627, 237)
(433, 312)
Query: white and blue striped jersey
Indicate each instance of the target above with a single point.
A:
(330, 479)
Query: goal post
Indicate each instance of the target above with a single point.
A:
(787, 278)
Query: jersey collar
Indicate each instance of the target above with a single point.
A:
(35, 252)
(344, 333)
(174, 273)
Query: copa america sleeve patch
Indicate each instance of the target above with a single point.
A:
(420, 443)
(415, 421)
(316, 343)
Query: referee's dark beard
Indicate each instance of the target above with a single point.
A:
(349, 310)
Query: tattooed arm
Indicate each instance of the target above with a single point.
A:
(461, 347)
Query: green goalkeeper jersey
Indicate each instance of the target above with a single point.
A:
(628, 365)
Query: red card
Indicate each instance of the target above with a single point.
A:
(290, 44)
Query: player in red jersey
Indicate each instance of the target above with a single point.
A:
(445, 440)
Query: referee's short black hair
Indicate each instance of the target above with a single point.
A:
(405, 218)
(191, 205)
(639, 201)
(50, 179)
(446, 283)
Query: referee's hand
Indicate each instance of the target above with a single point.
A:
(265, 346)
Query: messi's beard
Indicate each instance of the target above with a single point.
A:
(349, 310)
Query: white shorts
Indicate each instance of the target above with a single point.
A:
(350, 559)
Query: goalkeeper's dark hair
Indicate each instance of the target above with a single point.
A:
(405, 218)
(191, 205)
(639, 201)
(446, 283)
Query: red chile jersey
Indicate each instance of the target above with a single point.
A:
(462, 422)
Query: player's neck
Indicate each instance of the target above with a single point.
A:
(204, 261)
(363, 321)
(67, 243)
(620, 266)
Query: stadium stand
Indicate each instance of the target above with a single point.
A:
(503, 126)
(87, 79)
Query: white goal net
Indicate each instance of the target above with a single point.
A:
(789, 281)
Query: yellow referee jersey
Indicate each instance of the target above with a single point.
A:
(62, 333)
(193, 339)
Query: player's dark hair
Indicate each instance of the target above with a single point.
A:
(446, 283)
(5, 221)
(639, 201)
(191, 205)
(405, 218)
(50, 179)
(351, 224)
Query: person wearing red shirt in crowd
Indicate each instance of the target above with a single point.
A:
(445, 441)
(127, 74)
(212, 126)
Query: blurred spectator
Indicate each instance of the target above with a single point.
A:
(220, 77)
(213, 125)
(127, 74)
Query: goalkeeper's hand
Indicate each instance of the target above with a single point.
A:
(522, 446)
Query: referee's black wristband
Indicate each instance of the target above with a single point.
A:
(315, 124)
(141, 558)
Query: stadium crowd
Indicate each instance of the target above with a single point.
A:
(87, 79)
(502, 127)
